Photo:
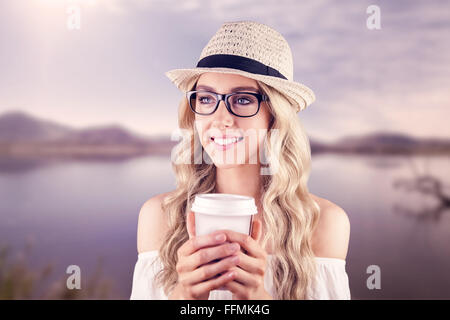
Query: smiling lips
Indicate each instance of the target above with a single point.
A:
(224, 143)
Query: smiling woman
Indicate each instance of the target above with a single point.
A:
(243, 83)
(231, 132)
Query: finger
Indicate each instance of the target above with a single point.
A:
(208, 271)
(190, 224)
(251, 265)
(245, 278)
(198, 242)
(256, 230)
(238, 290)
(206, 286)
(247, 242)
(206, 255)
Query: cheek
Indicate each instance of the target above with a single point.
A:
(266, 116)
(201, 126)
(258, 122)
(261, 120)
(259, 126)
(254, 136)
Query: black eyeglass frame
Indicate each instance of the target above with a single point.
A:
(259, 96)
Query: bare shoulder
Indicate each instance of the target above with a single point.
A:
(332, 233)
(151, 224)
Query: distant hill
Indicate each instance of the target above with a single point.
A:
(21, 127)
(25, 135)
(381, 138)
(18, 127)
(389, 143)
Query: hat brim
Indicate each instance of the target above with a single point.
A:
(300, 95)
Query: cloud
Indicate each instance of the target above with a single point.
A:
(395, 77)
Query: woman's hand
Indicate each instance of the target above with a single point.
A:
(196, 268)
(251, 268)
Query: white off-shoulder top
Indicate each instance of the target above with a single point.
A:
(331, 281)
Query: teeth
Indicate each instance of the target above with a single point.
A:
(224, 142)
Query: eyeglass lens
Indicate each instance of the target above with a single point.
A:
(242, 104)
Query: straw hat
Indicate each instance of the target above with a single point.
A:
(253, 50)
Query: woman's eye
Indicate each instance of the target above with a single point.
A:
(205, 100)
(243, 101)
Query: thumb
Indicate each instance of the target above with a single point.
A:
(256, 230)
(190, 224)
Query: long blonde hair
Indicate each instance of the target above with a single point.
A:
(289, 213)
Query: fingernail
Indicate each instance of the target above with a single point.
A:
(230, 274)
(220, 237)
(235, 259)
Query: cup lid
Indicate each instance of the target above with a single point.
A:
(224, 204)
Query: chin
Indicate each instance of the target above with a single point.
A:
(219, 161)
(227, 165)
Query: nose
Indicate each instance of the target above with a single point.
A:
(223, 118)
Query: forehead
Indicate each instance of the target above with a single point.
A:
(221, 82)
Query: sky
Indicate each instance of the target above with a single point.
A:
(111, 70)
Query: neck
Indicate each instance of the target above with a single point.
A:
(244, 180)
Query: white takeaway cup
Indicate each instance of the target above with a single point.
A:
(215, 211)
(218, 211)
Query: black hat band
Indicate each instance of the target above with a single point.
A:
(240, 63)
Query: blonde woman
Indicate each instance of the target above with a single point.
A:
(242, 136)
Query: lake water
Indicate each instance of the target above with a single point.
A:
(77, 212)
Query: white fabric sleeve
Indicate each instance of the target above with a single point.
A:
(144, 285)
(331, 282)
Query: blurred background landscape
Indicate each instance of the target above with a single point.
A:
(86, 118)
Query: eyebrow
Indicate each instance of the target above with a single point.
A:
(235, 89)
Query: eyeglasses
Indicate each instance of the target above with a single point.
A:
(240, 104)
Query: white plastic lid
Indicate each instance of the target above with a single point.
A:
(224, 204)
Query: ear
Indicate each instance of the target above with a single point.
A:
(256, 229)
(190, 224)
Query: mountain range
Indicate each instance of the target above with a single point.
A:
(26, 135)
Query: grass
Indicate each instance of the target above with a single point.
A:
(20, 281)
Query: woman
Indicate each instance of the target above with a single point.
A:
(242, 136)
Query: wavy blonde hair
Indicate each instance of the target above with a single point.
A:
(290, 214)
